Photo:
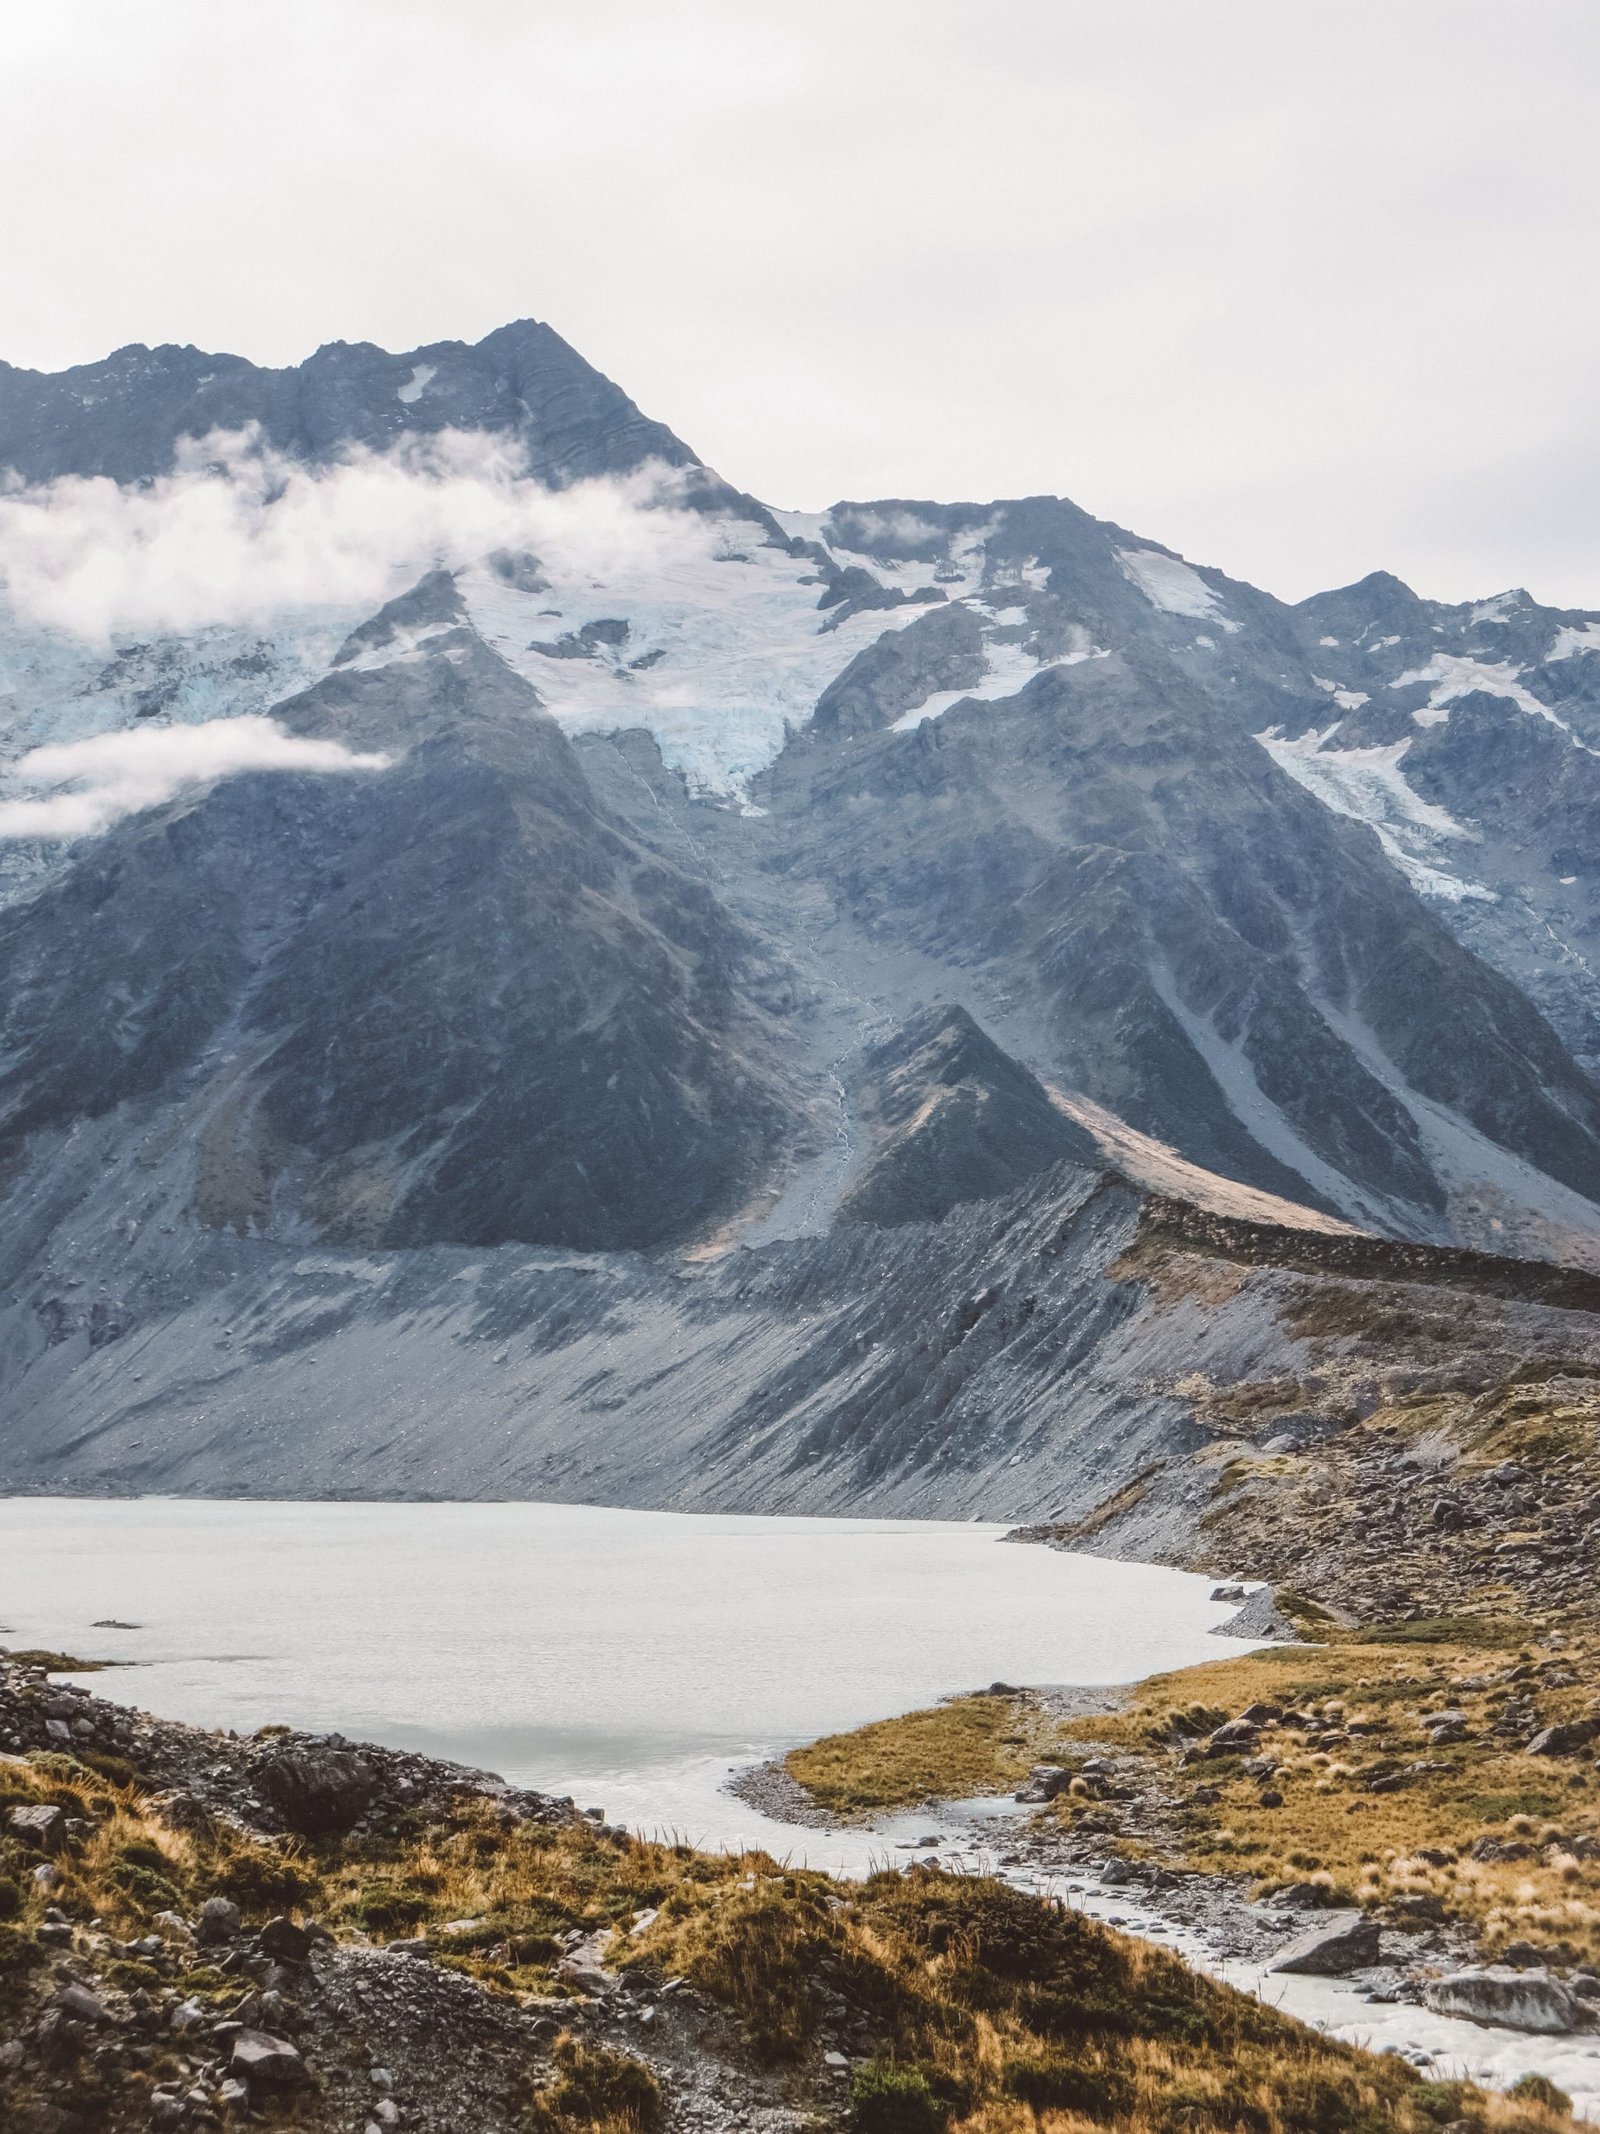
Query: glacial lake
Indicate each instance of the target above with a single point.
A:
(632, 1659)
(637, 1659)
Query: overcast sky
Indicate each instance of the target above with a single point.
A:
(1300, 287)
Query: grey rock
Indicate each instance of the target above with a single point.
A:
(59, 2039)
(586, 1977)
(1338, 1944)
(1044, 1782)
(1234, 1737)
(1306, 1897)
(953, 1119)
(1564, 1740)
(43, 1827)
(284, 1940)
(1519, 2000)
(258, 2057)
(941, 650)
(317, 1790)
(219, 1921)
(1259, 1617)
(79, 2003)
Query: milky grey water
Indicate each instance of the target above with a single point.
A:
(631, 1658)
(636, 1659)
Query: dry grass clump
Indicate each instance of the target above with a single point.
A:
(965, 1746)
(596, 2091)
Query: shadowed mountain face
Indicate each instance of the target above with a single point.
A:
(957, 1120)
(785, 900)
(448, 1000)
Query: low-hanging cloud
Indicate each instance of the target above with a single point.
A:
(238, 533)
(117, 774)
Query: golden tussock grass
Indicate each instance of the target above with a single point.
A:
(966, 1746)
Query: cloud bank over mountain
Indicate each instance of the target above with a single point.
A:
(115, 774)
(238, 532)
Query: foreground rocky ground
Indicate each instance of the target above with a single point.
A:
(201, 1930)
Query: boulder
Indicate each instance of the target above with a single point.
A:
(1044, 1782)
(1342, 1942)
(1564, 1740)
(1519, 2000)
(282, 1940)
(58, 2039)
(319, 1790)
(259, 2057)
(44, 1827)
(1236, 1737)
(82, 2005)
(218, 1921)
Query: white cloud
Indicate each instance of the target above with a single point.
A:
(117, 774)
(237, 533)
(900, 533)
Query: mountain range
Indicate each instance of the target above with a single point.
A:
(732, 1030)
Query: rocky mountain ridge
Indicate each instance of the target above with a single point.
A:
(740, 935)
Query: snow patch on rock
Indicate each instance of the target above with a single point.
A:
(1171, 585)
(1453, 675)
(1575, 638)
(1367, 785)
(1011, 667)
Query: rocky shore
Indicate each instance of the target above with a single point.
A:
(247, 2005)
